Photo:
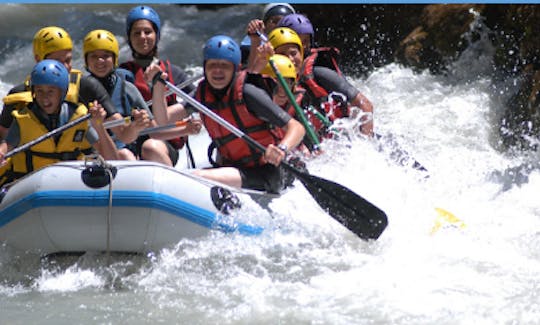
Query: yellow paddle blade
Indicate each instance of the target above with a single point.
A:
(444, 218)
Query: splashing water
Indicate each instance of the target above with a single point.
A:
(306, 268)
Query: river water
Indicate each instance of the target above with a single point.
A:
(306, 268)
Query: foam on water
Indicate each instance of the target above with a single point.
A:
(308, 268)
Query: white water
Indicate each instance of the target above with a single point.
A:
(308, 269)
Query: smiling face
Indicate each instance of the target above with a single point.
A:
(143, 37)
(48, 98)
(292, 51)
(219, 73)
(100, 62)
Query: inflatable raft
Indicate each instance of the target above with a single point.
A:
(114, 206)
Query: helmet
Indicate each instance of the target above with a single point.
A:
(51, 73)
(299, 23)
(51, 39)
(143, 12)
(284, 35)
(245, 42)
(100, 39)
(222, 48)
(277, 9)
(283, 64)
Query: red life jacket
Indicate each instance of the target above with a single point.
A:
(146, 92)
(233, 150)
(318, 96)
(299, 94)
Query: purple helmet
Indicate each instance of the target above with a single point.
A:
(299, 23)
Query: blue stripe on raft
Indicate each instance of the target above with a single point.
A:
(140, 199)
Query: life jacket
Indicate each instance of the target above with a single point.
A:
(313, 121)
(22, 99)
(120, 98)
(6, 172)
(317, 96)
(146, 92)
(234, 151)
(70, 145)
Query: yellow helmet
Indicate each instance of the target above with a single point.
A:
(100, 39)
(283, 64)
(51, 39)
(283, 35)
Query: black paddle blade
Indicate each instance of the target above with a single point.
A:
(348, 208)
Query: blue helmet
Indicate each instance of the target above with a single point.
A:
(222, 47)
(143, 12)
(51, 73)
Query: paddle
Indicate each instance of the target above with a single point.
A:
(400, 155)
(181, 85)
(155, 129)
(315, 143)
(351, 210)
(47, 135)
(445, 217)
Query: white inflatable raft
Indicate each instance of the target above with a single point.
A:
(72, 207)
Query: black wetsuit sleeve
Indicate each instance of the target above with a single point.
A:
(261, 105)
(331, 81)
(267, 84)
(5, 117)
(91, 89)
(179, 76)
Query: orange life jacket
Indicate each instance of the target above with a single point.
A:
(234, 151)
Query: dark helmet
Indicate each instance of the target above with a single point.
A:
(277, 9)
(222, 47)
(143, 12)
(51, 73)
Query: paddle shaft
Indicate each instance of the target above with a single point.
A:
(47, 135)
(203, 109)
(299, 112)
(182, 85)
(163, 127)
(354, 212)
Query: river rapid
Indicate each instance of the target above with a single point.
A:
(306, 268)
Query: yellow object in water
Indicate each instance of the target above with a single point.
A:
(446, 218)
